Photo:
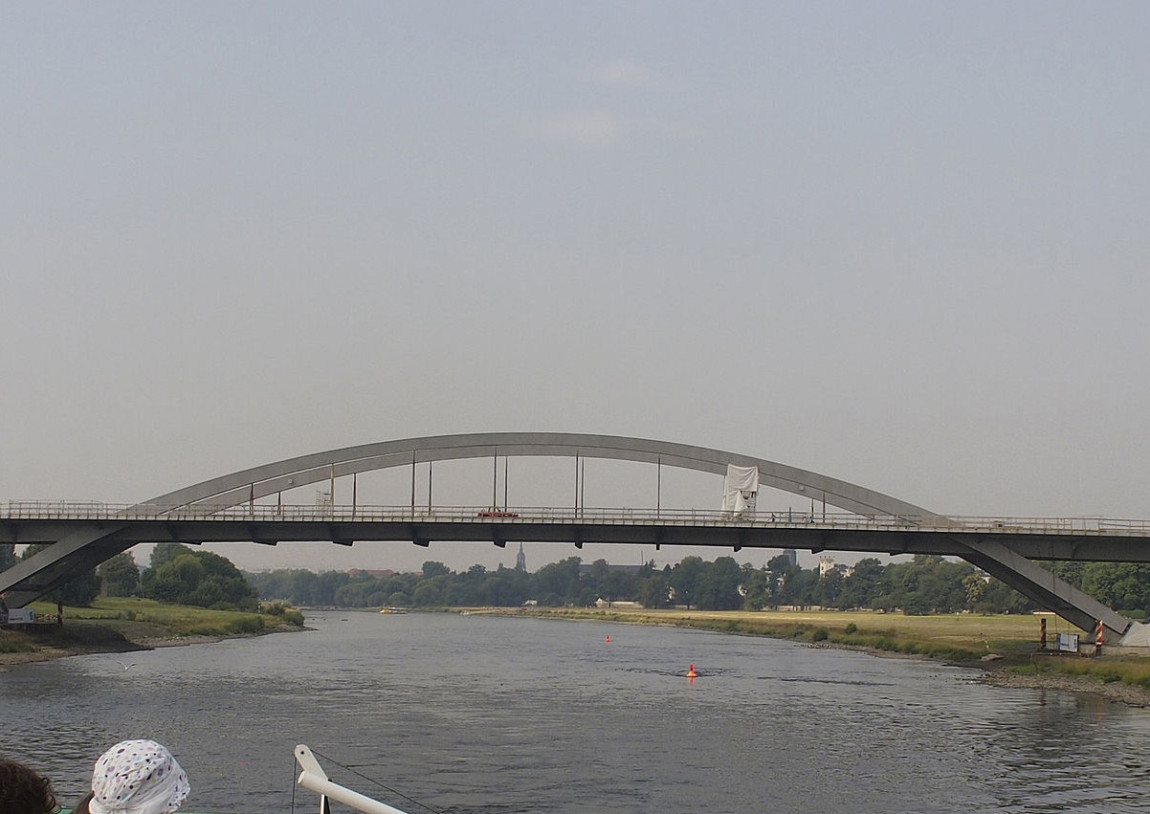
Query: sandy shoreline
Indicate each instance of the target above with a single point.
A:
(1114, 691)
(113, 642)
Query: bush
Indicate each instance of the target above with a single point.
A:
(8, 645)
(247, 624)
(820, 635)
(851, 628)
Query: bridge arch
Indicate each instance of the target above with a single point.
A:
(292, 473)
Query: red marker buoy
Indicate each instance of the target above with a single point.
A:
(608, 638)
(691, 673)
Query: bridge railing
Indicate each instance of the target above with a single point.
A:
(267, 512)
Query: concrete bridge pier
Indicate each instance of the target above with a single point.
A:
(1034, 582)
(74, 550)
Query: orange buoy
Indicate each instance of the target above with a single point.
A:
(691, 673)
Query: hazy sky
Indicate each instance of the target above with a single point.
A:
(902, 244)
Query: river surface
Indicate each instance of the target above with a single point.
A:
(489, 715)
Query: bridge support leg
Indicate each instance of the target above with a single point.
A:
(1033, 581)
(74, 552)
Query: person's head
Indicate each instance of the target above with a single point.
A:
(22, 791)
(137, 777)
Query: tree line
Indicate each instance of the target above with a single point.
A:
(923, 585)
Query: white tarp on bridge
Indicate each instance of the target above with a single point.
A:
(740, 489)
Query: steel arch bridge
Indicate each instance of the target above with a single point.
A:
(269, 479)
(81, 543)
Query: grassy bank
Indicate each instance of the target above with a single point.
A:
(955, 638)
(148, 617)
(1011, 641)
(122, 624)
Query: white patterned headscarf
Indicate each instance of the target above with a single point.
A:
(137, 777)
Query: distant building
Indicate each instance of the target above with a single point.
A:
(791, 555)
(521, 559)
(827, 565)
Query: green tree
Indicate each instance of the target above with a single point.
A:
(975, 587)
(782, 572)
(655, 590)
(998, 597)
(829, 588)
(756, 583)
(434, 569)
(719, 585)
(1069, 571)
(359, 593)
(303, 588)
(165, 552)
(430, 592)
(798, 588)
(328, 583)
(179, 574)
(120, 575)
(861, 587)
(928, 584)
(615, 585)
(557, 583)
(685, 580)
(1121, 585)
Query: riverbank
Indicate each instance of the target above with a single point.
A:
(126, 625)
(1116, 691)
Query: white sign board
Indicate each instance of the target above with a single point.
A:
(1068, 642)
(21, 616)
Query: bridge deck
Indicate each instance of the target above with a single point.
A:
(1040, 538)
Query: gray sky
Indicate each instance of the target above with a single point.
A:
(902, 244)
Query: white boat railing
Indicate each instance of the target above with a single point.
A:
(314, 778)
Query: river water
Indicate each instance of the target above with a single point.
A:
(490, 715)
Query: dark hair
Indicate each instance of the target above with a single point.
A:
(22, 791)
(82, 806)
